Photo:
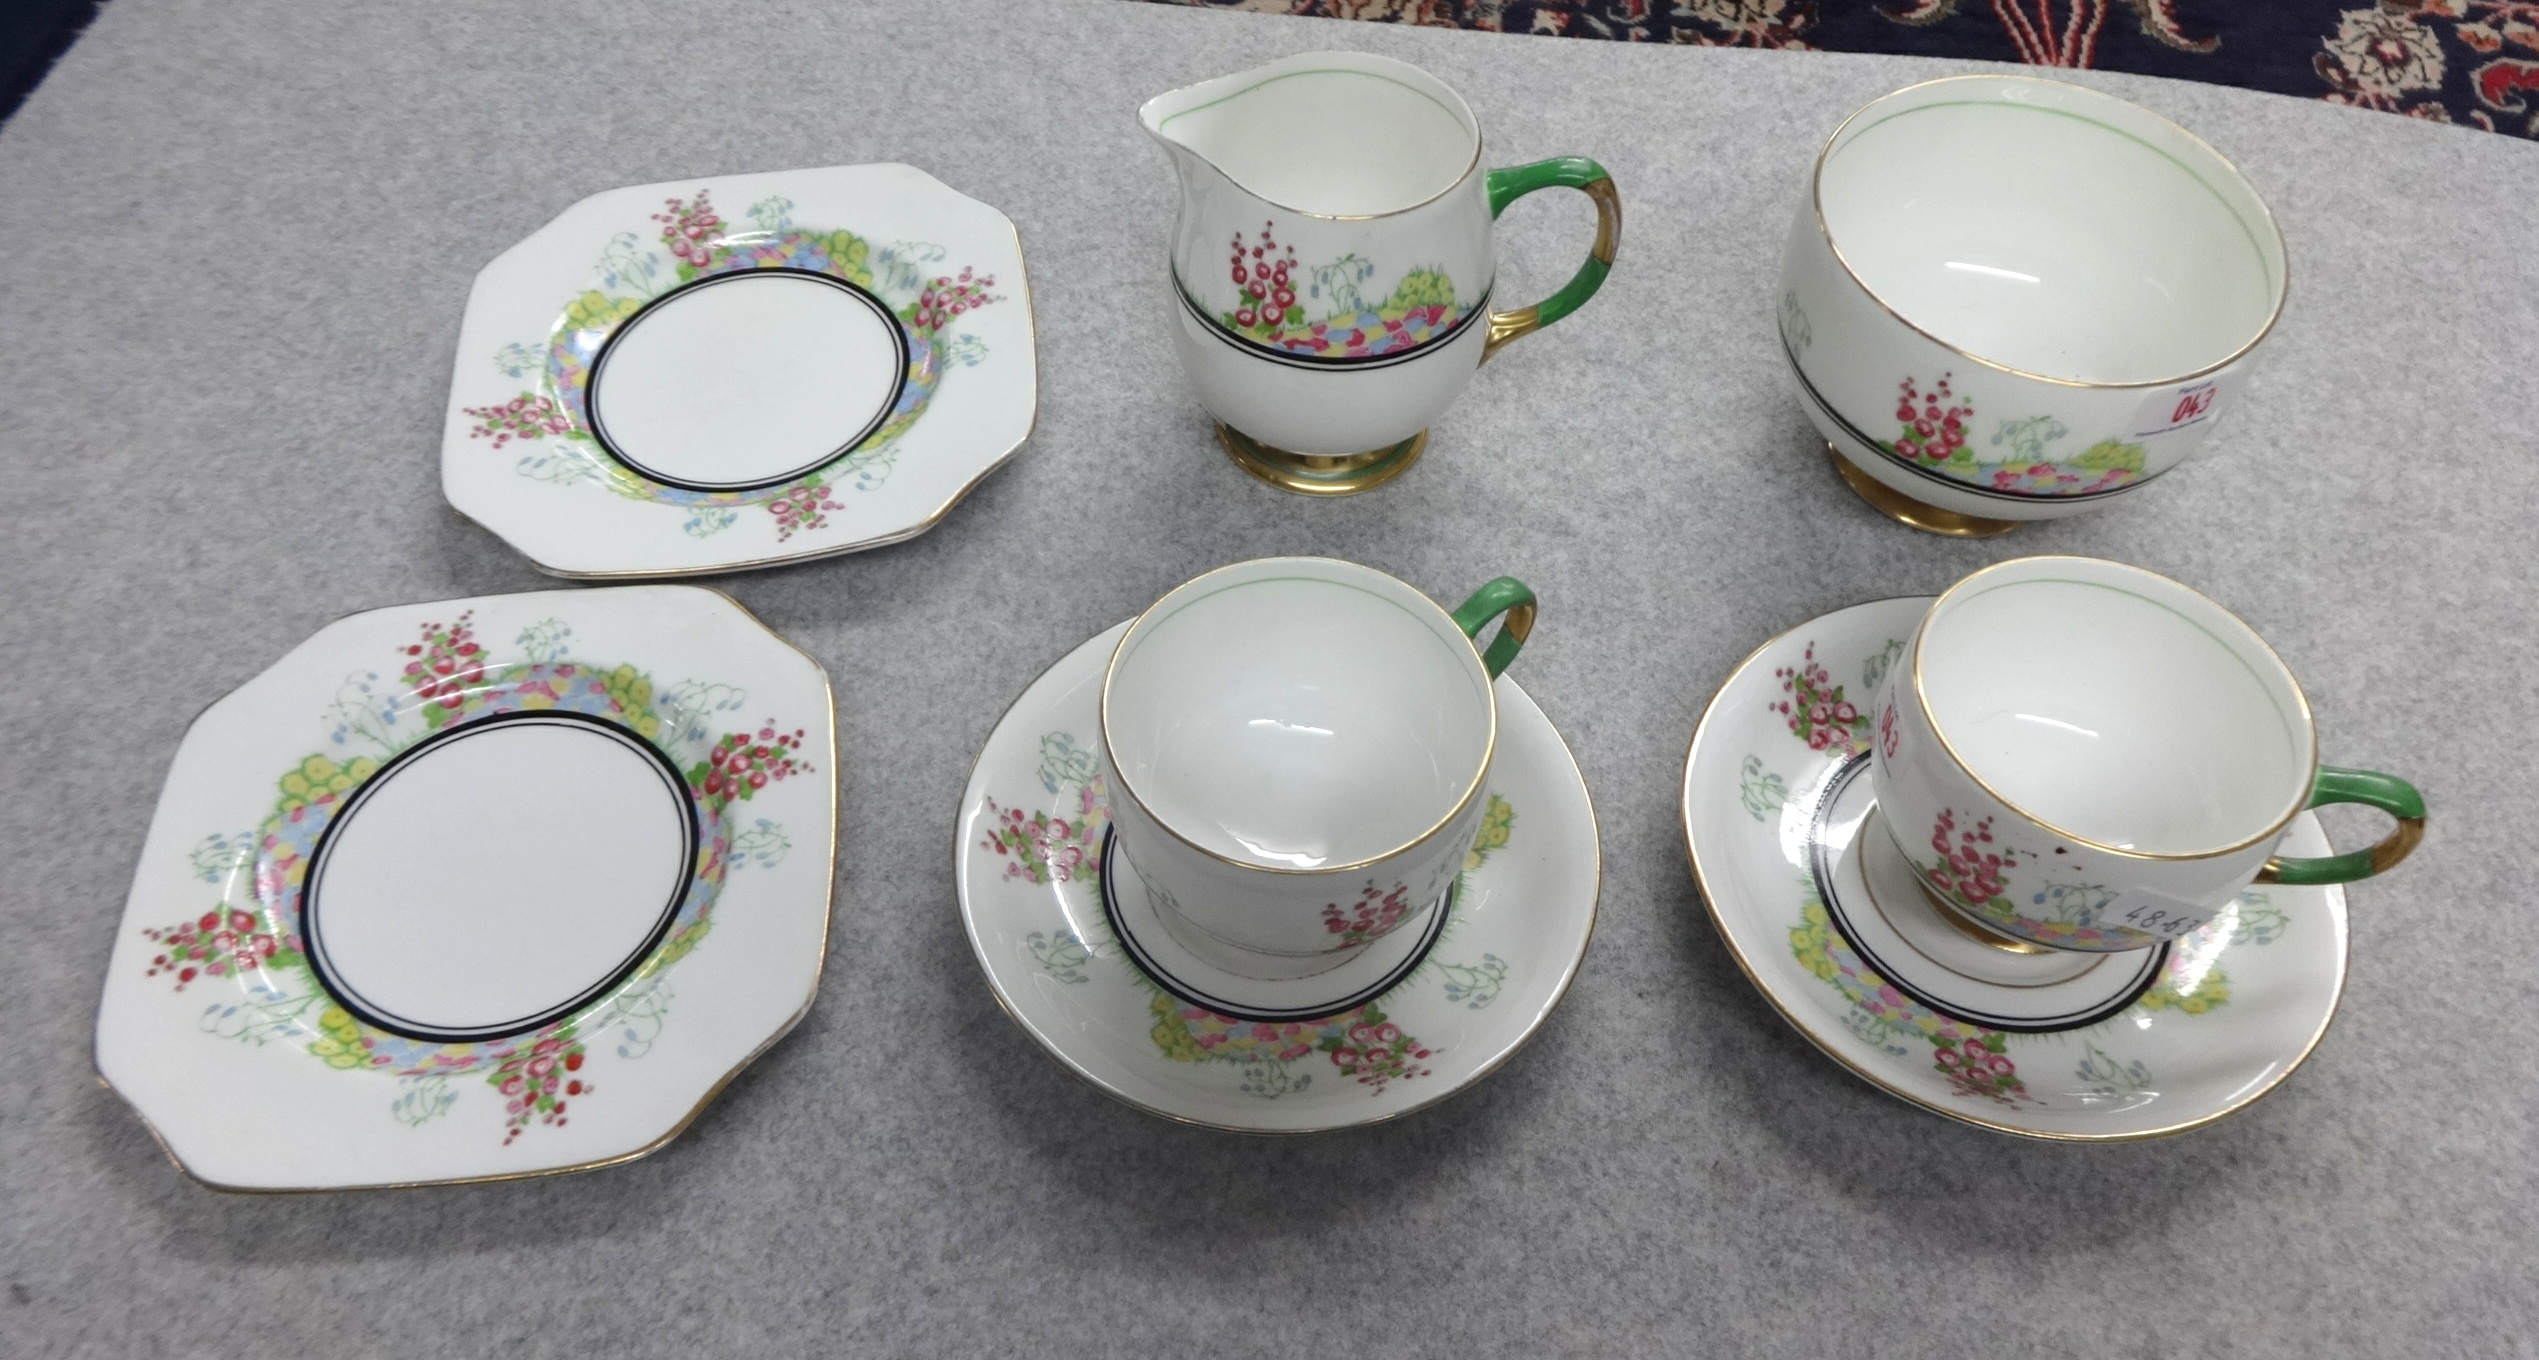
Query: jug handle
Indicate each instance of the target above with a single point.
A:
(1561, 172)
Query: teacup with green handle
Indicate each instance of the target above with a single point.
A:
(1296, 749)
(2088, 756)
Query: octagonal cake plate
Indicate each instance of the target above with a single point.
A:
(730, 372)
(475, 890)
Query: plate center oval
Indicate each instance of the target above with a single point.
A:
(748, 379)
(499, 876)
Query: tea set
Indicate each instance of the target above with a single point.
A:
(1293, 849)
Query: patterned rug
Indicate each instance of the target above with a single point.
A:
(2472, 62)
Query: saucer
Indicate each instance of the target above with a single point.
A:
(1806, 888)
(476, 890)
(1482, 975)
(723, 373)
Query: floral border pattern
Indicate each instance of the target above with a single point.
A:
(694, 241)
(1935, 428)
(1272, 292)
(250, 939)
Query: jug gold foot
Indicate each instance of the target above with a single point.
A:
(1903, 509)
(1316, 475)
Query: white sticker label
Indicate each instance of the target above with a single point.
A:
(2155, 914)
(2171, 409)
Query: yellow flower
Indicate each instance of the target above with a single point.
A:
(848, 253)
(632, 690)
(2213, 989)
(340, 1044)
(1171, 1035)
(1810, 942)
(317, 777)
(676, 947)
(1496, 819)
(594, 310)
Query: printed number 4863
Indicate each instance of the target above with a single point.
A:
(2168, 922)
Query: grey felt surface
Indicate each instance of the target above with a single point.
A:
(234, 239)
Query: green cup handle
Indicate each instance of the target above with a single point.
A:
(2390, 794)
(1506, 595)
(1561, 172)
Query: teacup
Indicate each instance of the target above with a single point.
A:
(2006, 299)
(1296, 748)
(1332, 261)
(2085, 755)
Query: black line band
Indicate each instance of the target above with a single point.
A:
(1327, 363)
(1185, 991)
(881, 417)
(377, 1017)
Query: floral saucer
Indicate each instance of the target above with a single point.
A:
(1805, 886)
(715, 374)
(475, 890)
(1481, 976)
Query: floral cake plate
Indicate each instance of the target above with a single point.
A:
(715, 374)
(1783, 831)
(1029, 869)
(475, 890)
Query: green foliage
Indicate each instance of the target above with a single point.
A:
(1172, 1036)
(2111, 453)
(849, 256)
(1421, 288)
(596, 311)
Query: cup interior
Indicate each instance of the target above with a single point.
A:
(2051, 229)
(2115, 705)
(1341, 134)
(1298, 713)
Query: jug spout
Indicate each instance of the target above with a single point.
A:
(1329, 134)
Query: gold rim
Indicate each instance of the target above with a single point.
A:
(1471, 126)
(2300, 704)
(1718, 922)
(1314, 474)
(1903, 509)
(978, 955)
(2265, 218)
(1489, 749)
(1031, 326)
(819, 966)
